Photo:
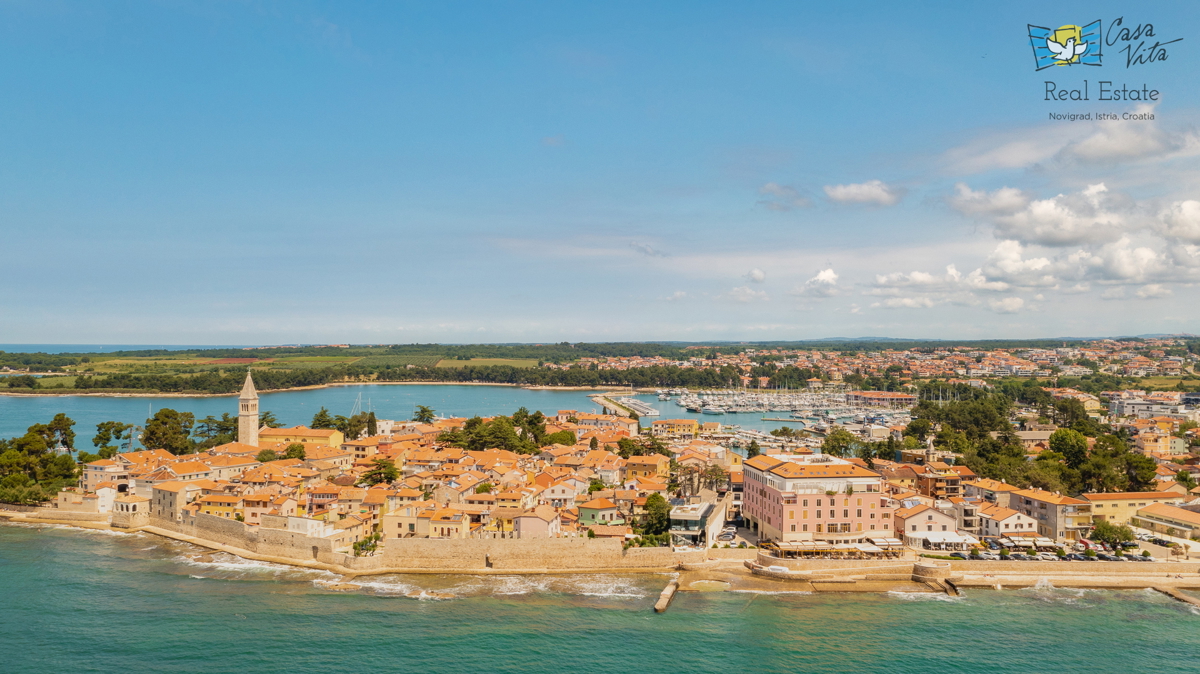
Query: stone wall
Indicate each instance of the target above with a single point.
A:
(67, 515)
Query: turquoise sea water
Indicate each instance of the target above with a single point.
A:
(17, 413)
(100, 602)
(291, 407)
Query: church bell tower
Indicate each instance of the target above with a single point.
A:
(248, 413)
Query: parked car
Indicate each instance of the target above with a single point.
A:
(1107, 557)
(959, 555)
(1075, 557)
(990, 556)
(729, 530)
(725, 537)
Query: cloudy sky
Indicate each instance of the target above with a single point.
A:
(258, 172)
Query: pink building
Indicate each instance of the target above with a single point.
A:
(815, 498)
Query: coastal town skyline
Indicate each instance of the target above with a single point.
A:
(395, 174)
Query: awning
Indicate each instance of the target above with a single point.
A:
(944, 537)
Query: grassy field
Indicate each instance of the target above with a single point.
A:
(399, 361)
(56, 382)
(514, 362)
(1168, 382)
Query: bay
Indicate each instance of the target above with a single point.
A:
(292, 408)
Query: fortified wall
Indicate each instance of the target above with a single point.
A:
(428, 555)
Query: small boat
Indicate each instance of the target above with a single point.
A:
(713, 410)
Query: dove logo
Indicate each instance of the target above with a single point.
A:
(1068, 45)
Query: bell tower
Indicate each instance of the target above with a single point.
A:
(248, 413)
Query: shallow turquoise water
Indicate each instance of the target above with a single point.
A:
(98, 602)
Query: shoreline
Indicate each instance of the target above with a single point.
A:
(98, 394)
(729, 573)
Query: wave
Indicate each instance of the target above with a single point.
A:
(924, 596)
(239, 568)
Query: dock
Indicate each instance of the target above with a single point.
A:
(1174, 593)
(664, 599)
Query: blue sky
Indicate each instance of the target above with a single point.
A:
(242, 172)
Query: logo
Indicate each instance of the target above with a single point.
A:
(1066, 45)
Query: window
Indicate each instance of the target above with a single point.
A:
(885, 527)
(914, 527)
(818, 513)
(872, 515)
(858, 513)
(846, 513)
(929, 517)
(792, 516)
(818, 505)
(804, 527)
(793, 527)
(818, 528)
(943, 527)
(805, 503)
(929, 527)
(859, 501)
(804, 514)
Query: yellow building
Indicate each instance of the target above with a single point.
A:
(324, 437)
(220, 505)
(1121, 507)
(1169, 520)
(652, 466)
(674, 427)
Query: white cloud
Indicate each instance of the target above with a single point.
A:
(1007, 305)
(905, 303)
(1073, 146)
(782, 197)
(1181, 221)
(676, 296)
(746, 294)
(1113, 294)
(756, 275)
(824, 284)
(1004, 201)
(1092, 215)
(1154, 291)
(874, 192)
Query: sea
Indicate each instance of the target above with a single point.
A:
(90, 601)
(388, 401)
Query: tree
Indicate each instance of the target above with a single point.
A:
(384, 471)
(295, 451)
(61, 426)
(109, 432)
(1107, 532)
(169, 430)
(838, 442)
(423, 415)
(560, 438)
(1072, 445)
(266, 455)
(658, 515)
(1185, 478)
(919, 429)
(1141, 471)
(267, 418)
(595, 485)
(752, 449)
(483, 488)
(372, 425)
(593, 444)
(322, 419)
(213, 431)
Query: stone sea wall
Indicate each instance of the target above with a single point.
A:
(430, 555)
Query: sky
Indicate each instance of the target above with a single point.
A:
(306, 172)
